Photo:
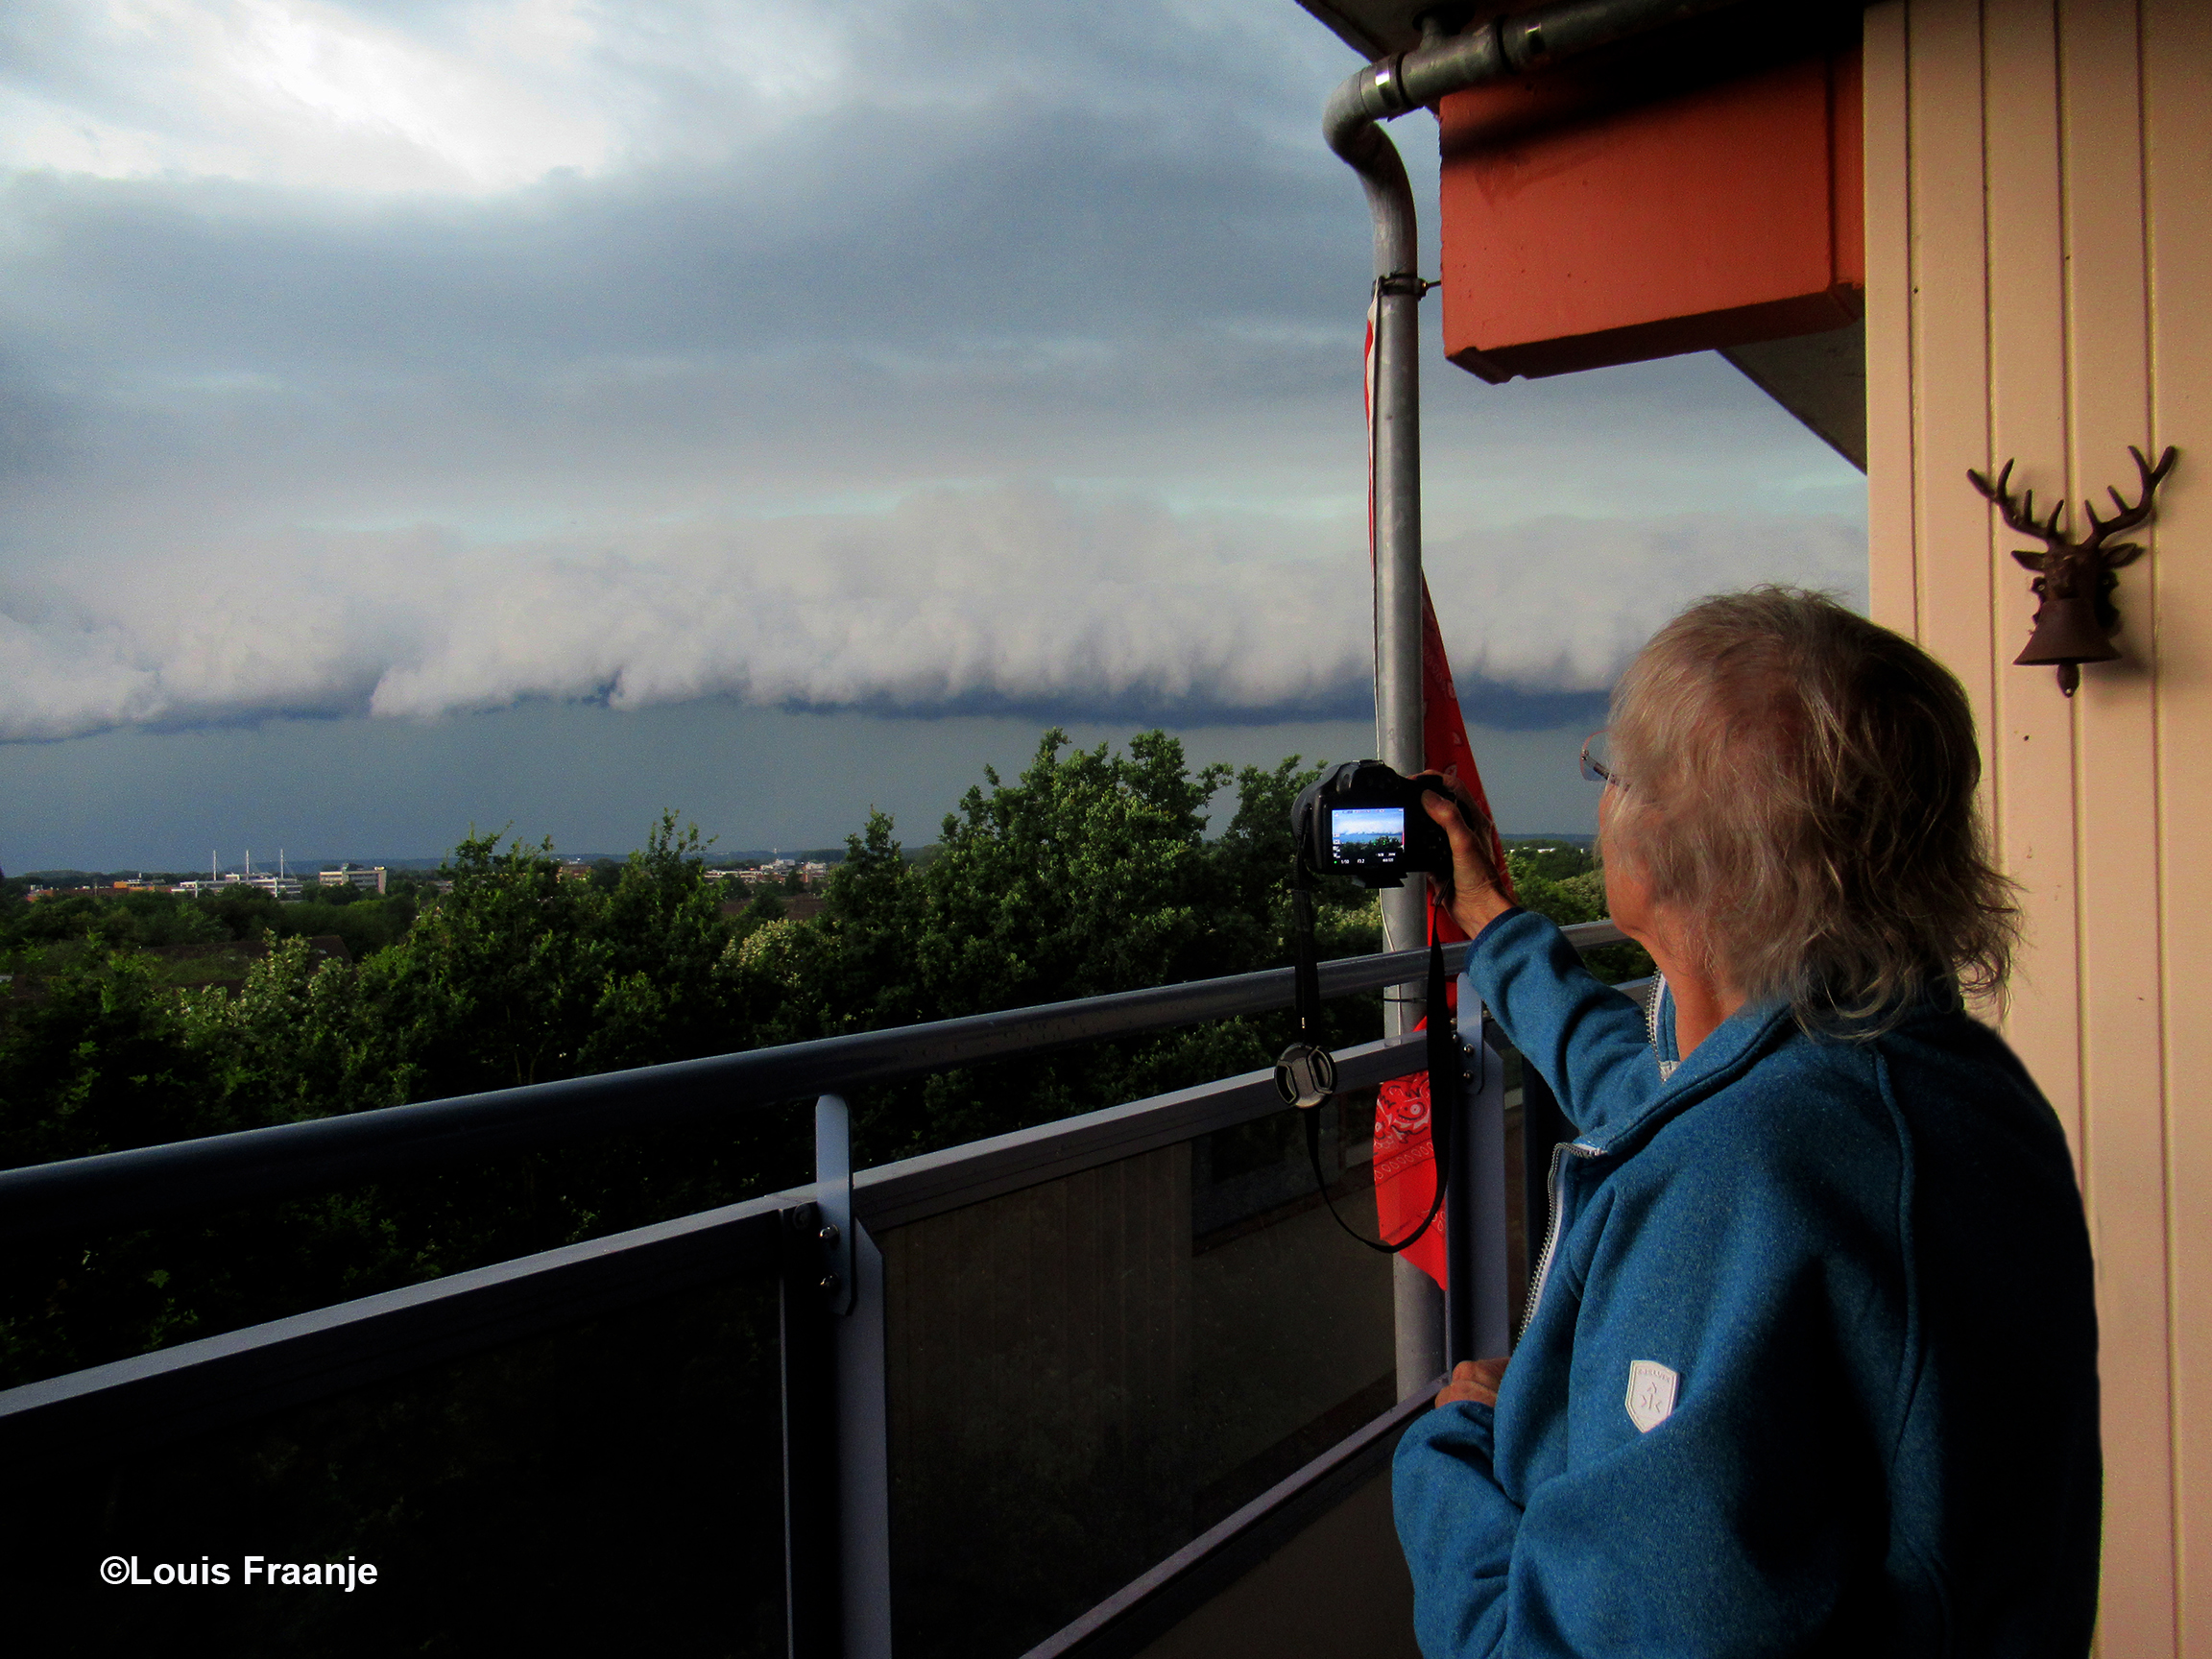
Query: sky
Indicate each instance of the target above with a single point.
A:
(435, 413)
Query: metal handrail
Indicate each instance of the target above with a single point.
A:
(195, 1386)
(132, 1404)
(149, 1183)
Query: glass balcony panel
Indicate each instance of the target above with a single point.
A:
(1087, 1374)
(611, 1487)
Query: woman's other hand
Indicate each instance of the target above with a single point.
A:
(1475, 1380)
(1477, 898)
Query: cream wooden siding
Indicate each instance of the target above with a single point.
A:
(2039, 274)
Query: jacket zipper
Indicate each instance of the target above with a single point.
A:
(1550, 1231)
(1559, 1161)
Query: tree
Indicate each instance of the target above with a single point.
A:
(98, 1061)
(513, 976)
(1089, 872)
(1578, 895)
(665, 995)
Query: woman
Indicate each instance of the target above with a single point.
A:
(1811, 1360)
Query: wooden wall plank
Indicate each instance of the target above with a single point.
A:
(2074, 209)
(1891, 585)
(2178, 150)
(2030, 741)
(1950, 340)
(2116, 757)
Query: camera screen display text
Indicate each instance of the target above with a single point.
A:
(1367, 836)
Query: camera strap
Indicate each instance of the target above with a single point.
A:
(1446, 1071)
(1307, 973)
(1305, 1073)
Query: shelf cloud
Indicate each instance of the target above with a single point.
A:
(1027, 598)
(388, 363)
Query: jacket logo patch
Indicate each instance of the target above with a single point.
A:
(1650, 1393)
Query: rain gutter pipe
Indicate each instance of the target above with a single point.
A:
(1493, 51)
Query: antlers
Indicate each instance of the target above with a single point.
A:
(2130, 517)
(2020, 514)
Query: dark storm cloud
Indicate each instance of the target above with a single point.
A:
(908, 288)
(924, 357)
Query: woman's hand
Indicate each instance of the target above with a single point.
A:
(1475, 1380)
(1477, 898)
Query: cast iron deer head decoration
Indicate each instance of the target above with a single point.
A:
(2075, 617)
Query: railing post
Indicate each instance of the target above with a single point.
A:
(853, 1292)
(834, 1191)
(812, 1591)
(864, 1459)
(1417, 1316)
(1458, 1220)
(1477, 1318)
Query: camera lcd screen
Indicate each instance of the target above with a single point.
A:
(1368, 836)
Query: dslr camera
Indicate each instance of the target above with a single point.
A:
(1365, 821)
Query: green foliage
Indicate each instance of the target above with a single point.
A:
(98, 1062)
(106, 1057)
(516, 977)
(1090, 873)
(1567, 884)
(1550, 857)
(149, 919)
(1085, 876)
(366, 922)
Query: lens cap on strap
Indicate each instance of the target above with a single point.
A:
(1305, 1075)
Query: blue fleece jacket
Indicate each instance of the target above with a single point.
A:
(1812, 1367)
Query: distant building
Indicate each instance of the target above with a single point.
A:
(354, 876)
(276, 887)
(209, 888)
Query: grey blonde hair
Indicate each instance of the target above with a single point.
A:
(1799, 785)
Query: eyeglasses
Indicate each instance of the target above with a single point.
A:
(1597, 759)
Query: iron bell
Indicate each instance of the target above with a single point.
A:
(2075, 578)
(2067, 634)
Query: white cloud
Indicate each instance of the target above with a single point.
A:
(306, 92)
(1025, 597)
(776, 256)
(1563, 603)
(470, 97)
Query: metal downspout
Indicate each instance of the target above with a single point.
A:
(1386, 88)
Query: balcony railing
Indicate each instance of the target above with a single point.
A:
(1073, 1390)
